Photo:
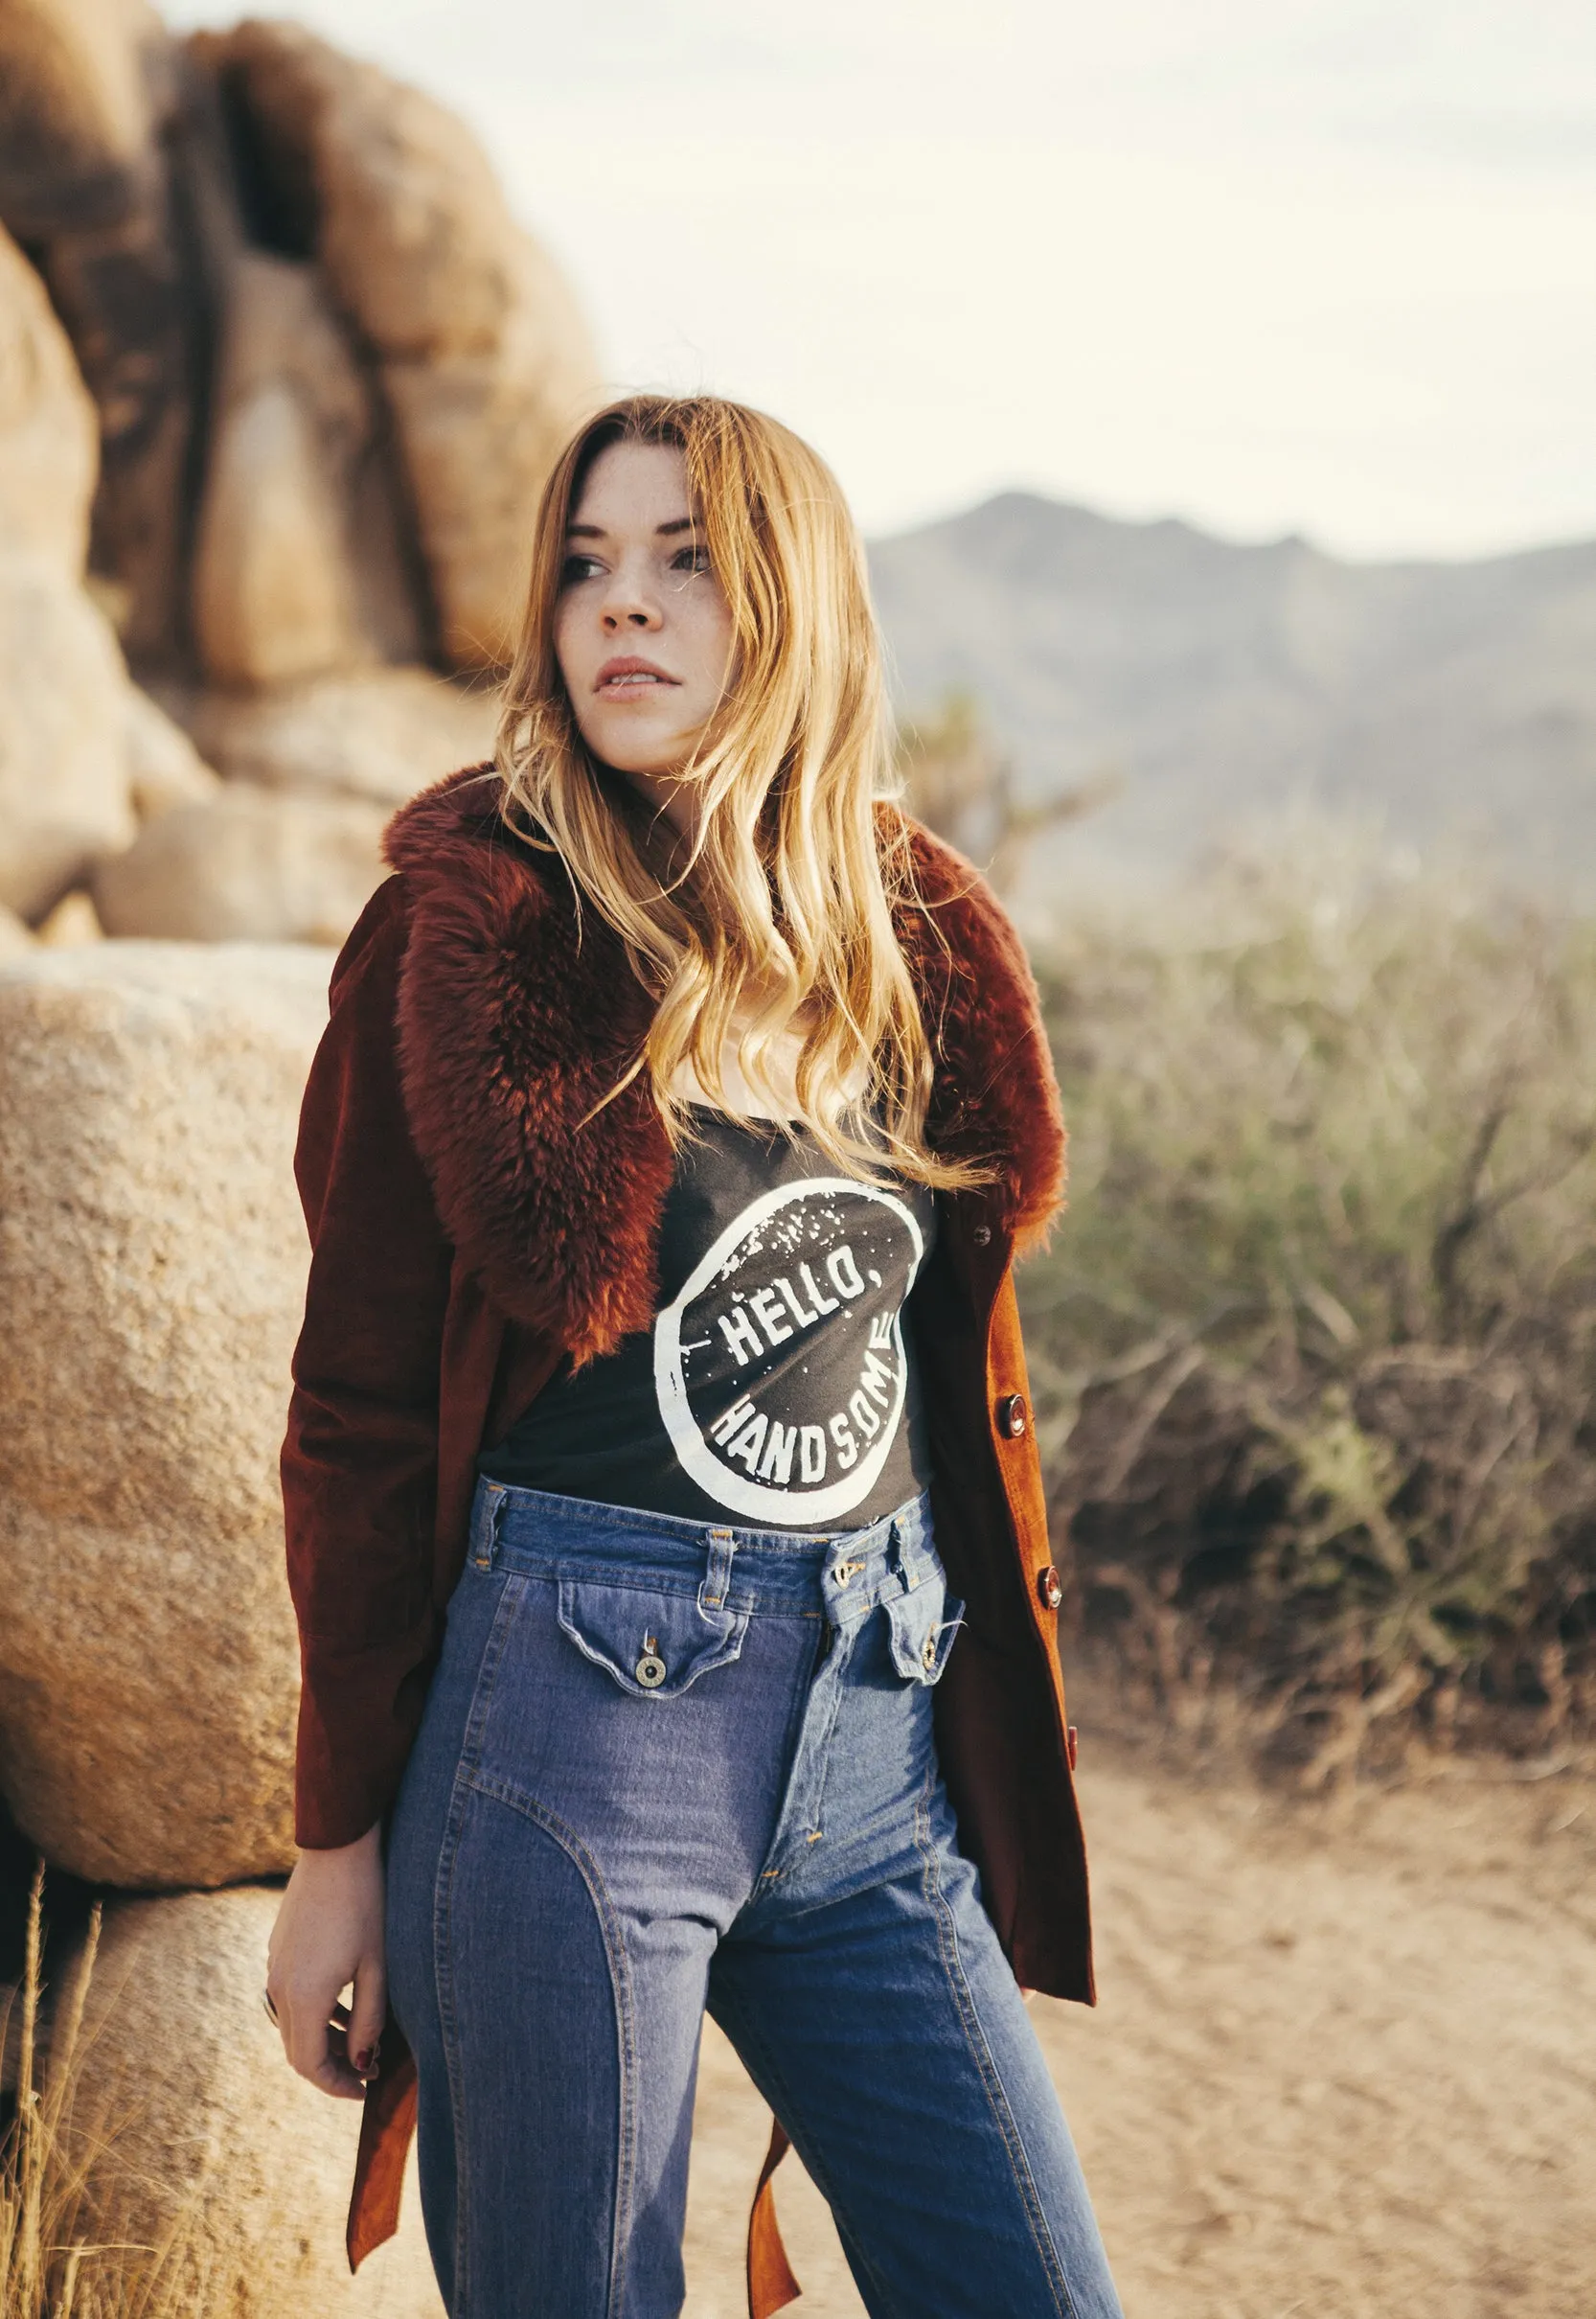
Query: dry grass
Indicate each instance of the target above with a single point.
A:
(1315, 1354)
(54, 2263)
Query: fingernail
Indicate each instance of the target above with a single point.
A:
(364, 2060)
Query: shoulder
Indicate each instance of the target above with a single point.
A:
(993, 1095)
(451, 845)
(376, 942)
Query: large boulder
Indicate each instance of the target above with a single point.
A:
(376, 733)
(49, 436)
(480, 347)
(211, 2144)
(246, 865)
(164, 768)
(64, 790)
(152, 1263)
(298, 562)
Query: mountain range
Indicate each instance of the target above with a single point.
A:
(1211, 684)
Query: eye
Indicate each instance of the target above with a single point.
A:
(575, 568)
(691, 560)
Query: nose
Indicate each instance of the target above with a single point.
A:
(627, 604)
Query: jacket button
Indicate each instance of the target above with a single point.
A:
(1051, 1587)
(982, 1235)
(1010, 1415)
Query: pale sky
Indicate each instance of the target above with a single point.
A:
(1317, 265)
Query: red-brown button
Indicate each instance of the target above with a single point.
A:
(1051, 1587)
(1010, 1415)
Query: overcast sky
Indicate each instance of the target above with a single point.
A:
(1313, 265)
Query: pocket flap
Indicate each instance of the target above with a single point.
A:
(923, 1622)
(654, 1644)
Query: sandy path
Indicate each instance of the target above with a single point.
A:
(1344, 2065)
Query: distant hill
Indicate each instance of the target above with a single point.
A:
(1223, 683)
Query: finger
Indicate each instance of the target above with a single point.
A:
(277, 2015)
(337, 2079)
(313, 2047)
(365, 2016)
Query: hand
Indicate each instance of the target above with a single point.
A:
(327, 1933)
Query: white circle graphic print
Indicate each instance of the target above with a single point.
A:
(780, 1368)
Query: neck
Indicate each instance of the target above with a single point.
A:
(673, 801)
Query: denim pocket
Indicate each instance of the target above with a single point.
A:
(654, 1644)
(922, 1624)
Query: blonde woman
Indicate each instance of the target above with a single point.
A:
(664, 1516)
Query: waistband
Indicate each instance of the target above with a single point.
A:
(848, 1572)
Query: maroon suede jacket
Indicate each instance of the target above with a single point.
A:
(470, 1223)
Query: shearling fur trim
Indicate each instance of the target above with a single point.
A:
(516, 1018)
(993, 1098)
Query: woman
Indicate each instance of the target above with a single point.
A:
(659, 1452)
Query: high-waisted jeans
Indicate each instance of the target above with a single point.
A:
(664, 1766)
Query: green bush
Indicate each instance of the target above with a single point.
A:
(1315, 1347)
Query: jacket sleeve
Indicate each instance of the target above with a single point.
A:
(360, 1460)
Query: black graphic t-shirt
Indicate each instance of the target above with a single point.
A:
(777, 1387)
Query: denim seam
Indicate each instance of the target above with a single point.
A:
(503, 1791)
(813, 1743)
(749, 2035)
(948, 1942)
(442, 1911)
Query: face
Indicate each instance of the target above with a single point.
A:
(643, 632)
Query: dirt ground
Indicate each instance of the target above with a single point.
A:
(1343, 2063)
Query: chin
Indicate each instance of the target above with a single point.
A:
(635, 754)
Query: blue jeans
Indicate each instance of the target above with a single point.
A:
(664, 1766)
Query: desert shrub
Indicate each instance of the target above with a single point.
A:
(1315, 1351)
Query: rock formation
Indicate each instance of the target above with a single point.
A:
(164, 768)
(90, 131)
(327, 373)
(298, 564)
(246, 866)
(14, 936)
(65, 781)
(152, 1264)
(49, 452)
(377, 733)
(280, 379)
(481, 354)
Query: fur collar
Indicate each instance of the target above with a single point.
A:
(513, 1026)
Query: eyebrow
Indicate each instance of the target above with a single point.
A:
(662, 531)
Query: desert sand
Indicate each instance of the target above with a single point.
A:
(1343, 2064)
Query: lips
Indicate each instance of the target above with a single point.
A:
(619, 677)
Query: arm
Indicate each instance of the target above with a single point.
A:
(359, 1478)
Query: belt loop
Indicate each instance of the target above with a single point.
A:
(900, 1555)
(485, 1530)
(717, 1577)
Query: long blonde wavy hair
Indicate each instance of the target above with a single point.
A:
(778, 917)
